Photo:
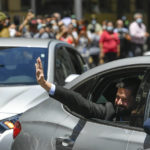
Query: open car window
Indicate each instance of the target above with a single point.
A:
(102, 88)
(105, 91)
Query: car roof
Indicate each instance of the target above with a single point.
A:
(126, 62)
(24, 42)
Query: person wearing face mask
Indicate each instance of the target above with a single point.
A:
(124, 37)
(94, 24)
(109, 44)
(137, 31)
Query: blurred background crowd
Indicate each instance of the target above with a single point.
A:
(98, 42)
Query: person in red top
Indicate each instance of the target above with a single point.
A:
(109, 44)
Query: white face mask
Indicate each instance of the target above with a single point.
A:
(110, 28)
(93, 21)
(139, 20)
(55, 28)
(12, 32)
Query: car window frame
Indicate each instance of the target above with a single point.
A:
(98, 76)
(73, 52)
(147, 108)
(60, 47)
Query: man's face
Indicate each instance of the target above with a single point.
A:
(124, 99)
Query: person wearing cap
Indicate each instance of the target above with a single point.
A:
(124, 102)
(4, 31)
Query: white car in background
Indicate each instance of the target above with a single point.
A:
(19, 90)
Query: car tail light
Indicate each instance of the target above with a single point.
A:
(17, 129)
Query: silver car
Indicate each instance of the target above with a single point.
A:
(19, 90)
(53, 126)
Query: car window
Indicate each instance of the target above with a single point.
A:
(103, 90)
(17, 64)
(108, 88)
(76, 60)
(63, 66)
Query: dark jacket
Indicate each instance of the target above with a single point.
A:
(75, 102)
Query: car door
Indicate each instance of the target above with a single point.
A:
(101, 134)
(138, 138)
(95, 136)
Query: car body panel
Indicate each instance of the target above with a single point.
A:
(136, 140)
(50, 117)
(23, 42)
(20, 99)
(5, 139)
(102, 137)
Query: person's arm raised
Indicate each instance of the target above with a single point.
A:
(40, 75)
(70, 98)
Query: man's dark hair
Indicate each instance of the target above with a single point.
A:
(130, 84)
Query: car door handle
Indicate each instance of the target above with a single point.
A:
(64, 143)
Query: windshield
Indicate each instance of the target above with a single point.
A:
(17, 64)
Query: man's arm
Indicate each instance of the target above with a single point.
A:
(77, 103)
(73, 100)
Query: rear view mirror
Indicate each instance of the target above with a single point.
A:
(147, 126)
(71, 77)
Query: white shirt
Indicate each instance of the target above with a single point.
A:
(137, 33)
(52, 90)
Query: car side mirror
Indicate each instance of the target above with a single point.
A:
(71, 77)
(146, 126)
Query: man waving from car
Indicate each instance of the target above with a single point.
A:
(124, 102)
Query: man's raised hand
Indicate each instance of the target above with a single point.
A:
(39, 72)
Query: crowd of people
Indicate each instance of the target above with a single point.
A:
(97, 42)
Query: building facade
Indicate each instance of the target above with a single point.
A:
(104, 9)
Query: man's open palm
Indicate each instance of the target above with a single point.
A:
(39, 71)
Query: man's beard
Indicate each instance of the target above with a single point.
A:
(122, 111)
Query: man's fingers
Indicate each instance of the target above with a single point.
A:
(36, 66)
(39, 62)
(39, 71)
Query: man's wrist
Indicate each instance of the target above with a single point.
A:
(46, 85)
(52, 90)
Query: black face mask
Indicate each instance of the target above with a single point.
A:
(1, 27)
